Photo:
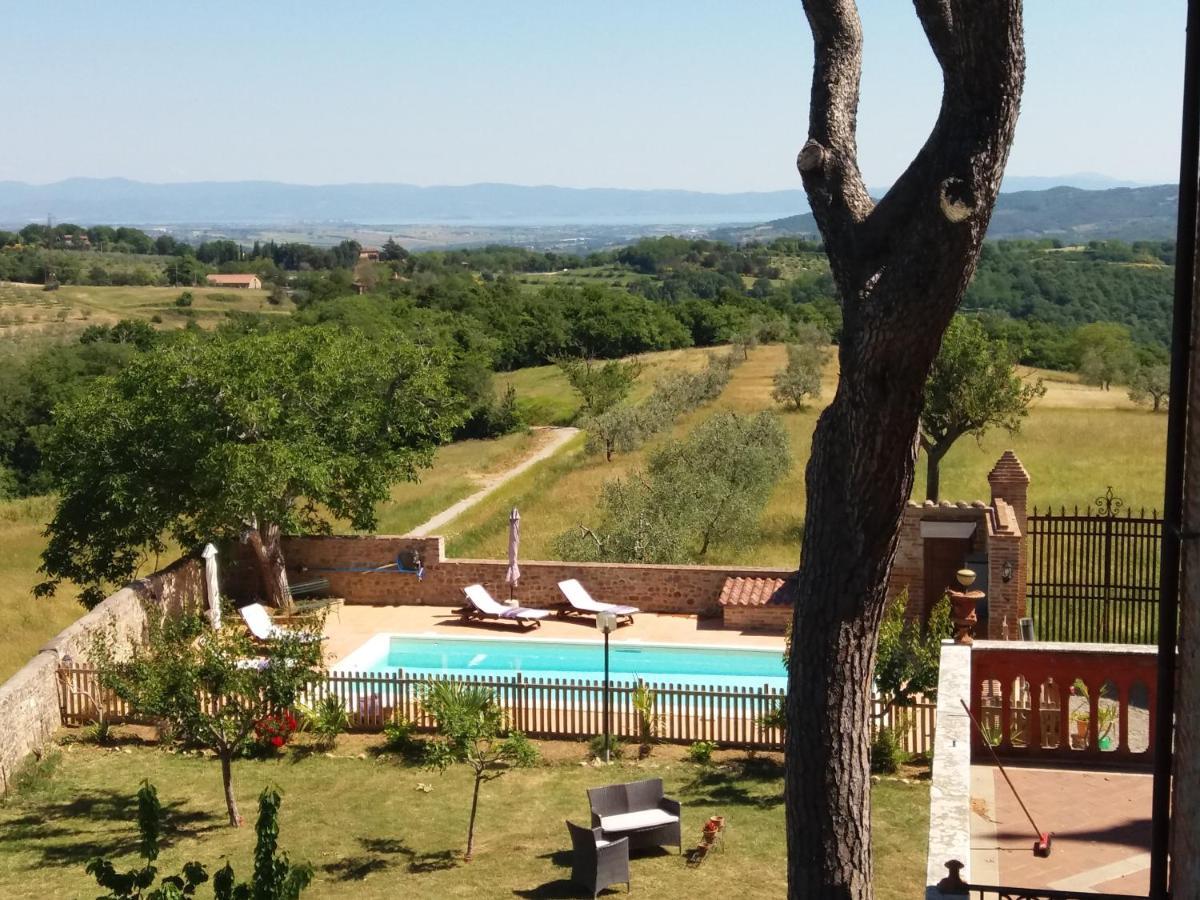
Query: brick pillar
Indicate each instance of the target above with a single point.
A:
(1010, 484)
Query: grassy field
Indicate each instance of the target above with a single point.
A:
(1077, 441)
(28, 311)
(369, 832)
(25, 622)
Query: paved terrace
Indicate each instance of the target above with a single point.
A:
(352, 626)
(1100, 822)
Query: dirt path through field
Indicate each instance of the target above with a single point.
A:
(549, 441)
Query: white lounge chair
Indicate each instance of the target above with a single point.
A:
(258, 620)
(581, 602)
(482, 605)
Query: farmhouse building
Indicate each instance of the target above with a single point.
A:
(369, 254)
(250, 282)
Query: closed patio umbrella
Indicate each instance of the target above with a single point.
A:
(514, 542)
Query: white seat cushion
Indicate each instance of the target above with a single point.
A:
(636, 821)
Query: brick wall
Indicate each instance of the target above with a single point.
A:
(758, 619)
(29, 700)
(659, 589)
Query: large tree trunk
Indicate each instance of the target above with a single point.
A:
(901, 267)
(265, 541)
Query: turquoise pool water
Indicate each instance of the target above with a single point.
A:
(499, 657)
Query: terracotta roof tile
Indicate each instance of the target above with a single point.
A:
(758, 591)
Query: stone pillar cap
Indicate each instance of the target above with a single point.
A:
(1008, 469)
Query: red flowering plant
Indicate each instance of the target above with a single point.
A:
(276, 729)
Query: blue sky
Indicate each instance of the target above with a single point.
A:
(694, 94)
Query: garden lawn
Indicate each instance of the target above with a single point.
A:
(370, 831)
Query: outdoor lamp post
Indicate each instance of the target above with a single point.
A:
(607, 623)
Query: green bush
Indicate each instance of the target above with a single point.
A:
(615, 748)
(399, 735)
(184, 299)
(325, 720)
(701, 752)
(887, 752)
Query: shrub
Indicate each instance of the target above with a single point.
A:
(701, 752)
(184, 299)
(887, 753)
(616, 749)
(399, 735)
(275, 730)
(326, 720)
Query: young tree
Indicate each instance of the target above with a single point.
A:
(600, 386)
(801, 378)
(906, 663)
(900, 266)
(197, 679)
(1105, 353)
(1151, 384)
(618, 429)
(275, 877)
(470, 726)
(250, 436)
(972, 387)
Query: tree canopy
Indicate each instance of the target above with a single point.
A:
(245, 436)
(973, 386)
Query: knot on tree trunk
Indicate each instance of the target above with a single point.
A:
(957, 200)
(811, 157)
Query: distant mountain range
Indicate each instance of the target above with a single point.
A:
(87, 201)
(1140, 213)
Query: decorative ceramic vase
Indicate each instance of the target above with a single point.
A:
(962, 605)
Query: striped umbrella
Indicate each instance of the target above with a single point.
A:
(514, 541)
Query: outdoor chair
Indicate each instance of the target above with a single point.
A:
(597, 862)
(258, 620)
(581, 602)
(637, 810)
(482, 605)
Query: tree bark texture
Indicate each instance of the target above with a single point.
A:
(235, 820)
(901, 267)
(265, 541)
(1185, 849)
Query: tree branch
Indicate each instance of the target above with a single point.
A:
(828, 162)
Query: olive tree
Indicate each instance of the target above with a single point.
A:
(250, 437)
(972, 387)
(1151, 384)
(901, 265)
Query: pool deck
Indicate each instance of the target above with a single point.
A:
(351, 626)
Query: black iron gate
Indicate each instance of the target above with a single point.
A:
(1093, 575)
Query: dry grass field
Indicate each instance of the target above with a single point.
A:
(1077, 441)
(27, 311)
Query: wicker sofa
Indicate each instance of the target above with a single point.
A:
(639, 811)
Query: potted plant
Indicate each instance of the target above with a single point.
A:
(1106, 716)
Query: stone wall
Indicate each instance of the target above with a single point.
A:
(30, 709)
(658, 589)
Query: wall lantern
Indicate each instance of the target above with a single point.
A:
(1006, 571)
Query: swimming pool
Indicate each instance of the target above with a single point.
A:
(683, 665)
